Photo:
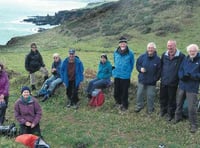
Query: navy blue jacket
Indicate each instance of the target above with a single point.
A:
(170, 67)
(189, 74)
(152, 66)
(57, 66)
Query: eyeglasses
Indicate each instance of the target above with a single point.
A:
(55, 57)
(33, 47)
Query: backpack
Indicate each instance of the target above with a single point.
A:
(97, 99)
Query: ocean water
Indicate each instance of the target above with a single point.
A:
(12, 12)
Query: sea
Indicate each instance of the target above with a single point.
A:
(12, 13)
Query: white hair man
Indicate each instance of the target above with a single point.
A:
(189, 75)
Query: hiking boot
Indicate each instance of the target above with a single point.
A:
(75, 106)
(45, 78)
(69, 104)
(193, 129)
(33, 87)
(162, 113)
(150, 111)
(117, 106)
(169, 118)
(123, 109)
(137, 110)
(45, 98)
(176, 121)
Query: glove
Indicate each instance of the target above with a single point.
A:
(186, 77)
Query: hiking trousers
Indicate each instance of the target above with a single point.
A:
(43, 70)
(192, 106)
(168, 99)
(121, 87)
(148, 92)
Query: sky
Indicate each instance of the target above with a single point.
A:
(53, 5)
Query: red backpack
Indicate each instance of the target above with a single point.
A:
(97, 99)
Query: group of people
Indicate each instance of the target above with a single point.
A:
(179, 81)
(179, 77)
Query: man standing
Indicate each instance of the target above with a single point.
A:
(148, 65)
(34, 62)
(123, 62)
(170, 63)
(72, 76)
(189, 74)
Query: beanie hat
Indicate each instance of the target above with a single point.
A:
(25, 88)
(122, 39)
(104, 55)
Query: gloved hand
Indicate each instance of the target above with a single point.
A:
(186, 77)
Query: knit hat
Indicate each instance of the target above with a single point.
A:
(25, 88)
(122, 39)
(104, 55)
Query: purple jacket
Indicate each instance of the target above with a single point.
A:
(30, 112)
(4, 84)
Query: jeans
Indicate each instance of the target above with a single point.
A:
(121, 87)
(50, 84)
(3, 110)
(192, 106)
(96, 83)
(150, 92)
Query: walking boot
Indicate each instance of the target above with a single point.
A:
(45, 78)
(33, 87)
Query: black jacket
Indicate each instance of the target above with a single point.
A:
(169, 68)
(33, 61)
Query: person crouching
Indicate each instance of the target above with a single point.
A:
(28, 113)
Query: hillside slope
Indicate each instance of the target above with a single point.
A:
(140, 20)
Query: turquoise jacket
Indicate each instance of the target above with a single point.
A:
(124, 63)
(79, 69)
(105, 70)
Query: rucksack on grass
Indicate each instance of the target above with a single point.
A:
(97, 99)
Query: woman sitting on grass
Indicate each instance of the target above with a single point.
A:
(28, 113)
(103, 76)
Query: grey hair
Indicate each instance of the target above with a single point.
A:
(173, 41)
(151, 43)
(192, 46)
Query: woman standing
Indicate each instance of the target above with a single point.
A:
(4, 93)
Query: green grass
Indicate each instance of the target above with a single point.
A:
(95, 127)
(102, 127)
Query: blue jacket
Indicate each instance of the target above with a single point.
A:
(124, 63)
(78, 71)
(152, 66)
(105, 70)
(170, 67)
(189, 74)
(57, 66)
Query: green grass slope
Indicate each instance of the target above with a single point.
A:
(105, 126)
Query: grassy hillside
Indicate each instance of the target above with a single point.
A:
(139, 20)
(94, 127)
(96, 32)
